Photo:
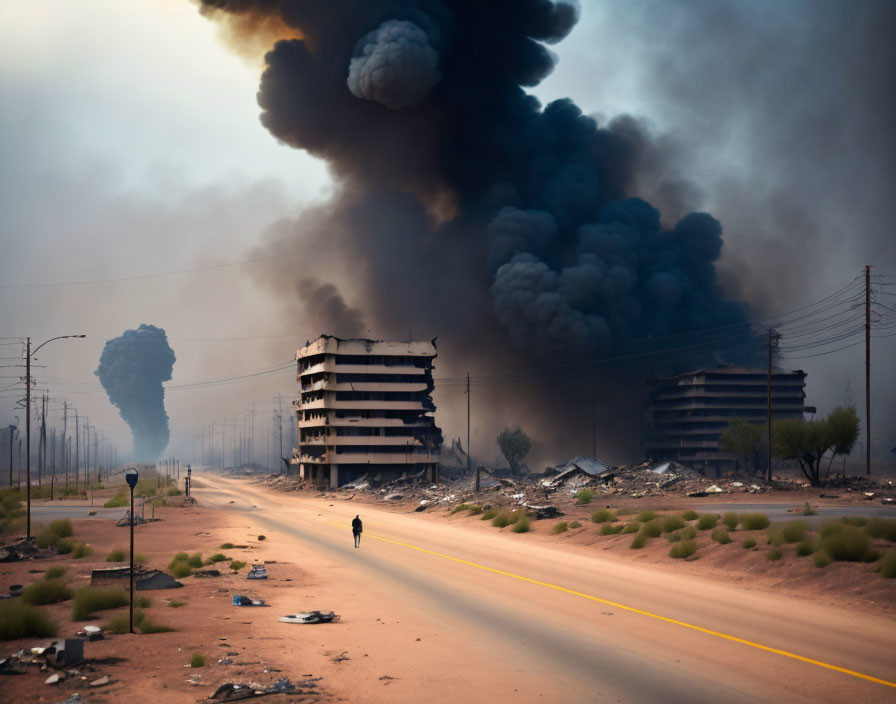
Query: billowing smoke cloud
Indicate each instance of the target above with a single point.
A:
(466, 209)
(132, 368)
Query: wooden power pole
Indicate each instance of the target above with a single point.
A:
(868, 370)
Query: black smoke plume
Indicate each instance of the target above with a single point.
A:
(132, 368)
(465, 209)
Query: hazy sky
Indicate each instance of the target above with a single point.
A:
(131, 145)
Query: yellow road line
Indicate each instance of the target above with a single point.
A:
(633, 610)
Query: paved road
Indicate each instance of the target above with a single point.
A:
(604, 629)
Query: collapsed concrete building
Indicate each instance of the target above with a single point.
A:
(364, 407)
(686, 414)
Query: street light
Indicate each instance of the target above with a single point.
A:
(28, 355)
(130, 476)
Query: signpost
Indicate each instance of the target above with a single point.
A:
(131, 477)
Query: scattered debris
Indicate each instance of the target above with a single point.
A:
(239, 600)
(341, 657)
(101, 681)
(144, 579)
(231, 692)
(257, 572)
(207, 573)
(310, 617)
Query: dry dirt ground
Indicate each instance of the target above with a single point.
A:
(353, 660)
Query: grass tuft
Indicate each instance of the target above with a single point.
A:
(683, 549)
(217, 557)
(56, 572)
(115, 556)
(522, 524)
(690, 515)
(686, 533)
(754, 521)
(859, 521)
(809, 511)
(46, 591)
(62, 527)
(653, 528)
(174, 492)
(639, 542)
(749, 544)
(794, 531)
(821, 559)
(584, 496)
(575, 524)
(611, 528)
(174, 604)
(197, 660)
(19, 620)
(884, 528)
(707, 521)
(720, 535)
(671, 523)
(237, 565)
(489, 514)
(774, 554)
(195, 560)
(632, 527)
(227, 546)
(505, 518)
(560, 528)
(888, 565)
(64, 546)
(603, 515)
(645, 516)
(88, 600)
(805, 547)
(117, 501)
(730, 519)
(851, 544)
(81, 550)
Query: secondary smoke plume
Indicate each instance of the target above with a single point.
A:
(465, 209)
(132, 368)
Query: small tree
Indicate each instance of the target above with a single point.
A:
(515, 445)
(744, 440)
(807, 441)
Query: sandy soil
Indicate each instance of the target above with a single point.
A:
(391, 645)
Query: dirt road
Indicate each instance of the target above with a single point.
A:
(473, 615)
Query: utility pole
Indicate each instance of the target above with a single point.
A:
(868, 370)
(772, 339)
(469, 451)
(65, 440)
(12, 430)
(77, 450)
(87, 458)
(280, 424)
(42, 440)
(594, 421)
(28, 433)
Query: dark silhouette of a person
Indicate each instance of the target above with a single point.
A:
(357, 527)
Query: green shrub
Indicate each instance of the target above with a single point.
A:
(146, 488)
(46, 591)
(176, 604)
(18, 620)
(142, 602)
(489, 514)
(639, 542)
(645, 516)
(195, 560)
(475, 510)
(140, 558)
(174, 492)
(119, 623)
(237, 565)
(632, 527)
(56, 572)
(611, 528)
(754, 521)
(774, 554)
(584, 496)
(179, 569)
(505, 518)
(560, 528)
(884, 528)
(227, 546)
(730, 519)
(46, 538)
(115, 556)
(686, 533)
(671, 523)
(831, 526)
(117, 501)
(888, 565)
(720, 535)
(653, 528)
(809, 511)
(217, 557)
(575, 524)
(821, 559)
(749, 544)
(62, 527)
(64, 546)
(849, 545)
(80, 550)
(522, 524)
(147, 626)
(707, 521)
(603, 515)
(457, 509)
(794, 531)
(88, 600)
(689, 515)
(805, 548)
(197, 660)
(859, 521)
(683, 549)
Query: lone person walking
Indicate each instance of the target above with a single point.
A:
(357, 527)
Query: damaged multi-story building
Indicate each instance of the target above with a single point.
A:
(365, 409)
(686, 414)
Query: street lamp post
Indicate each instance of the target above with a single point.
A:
(130, 477)
(28, 354)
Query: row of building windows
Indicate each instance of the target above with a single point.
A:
(365, 360)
